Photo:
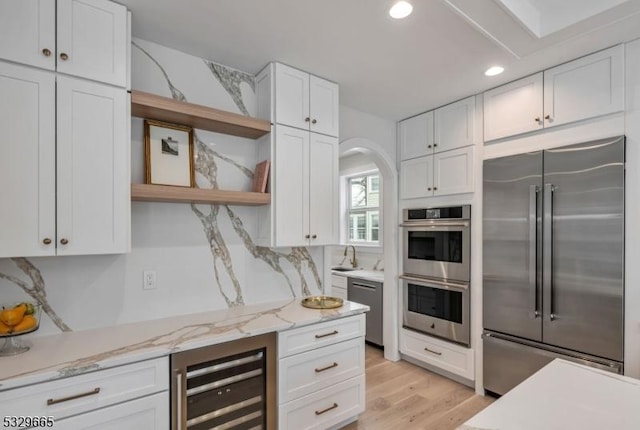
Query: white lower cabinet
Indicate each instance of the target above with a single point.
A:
(321, 385)
(339, 286)
(439, 353)
(149, 412)
(133, 396)
(448, 172)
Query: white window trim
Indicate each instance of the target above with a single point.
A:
(345, 205)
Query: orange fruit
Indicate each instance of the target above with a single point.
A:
(4, 329)
(27, 323)
(12, 317)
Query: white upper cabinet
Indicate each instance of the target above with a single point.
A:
(416, 136)
(324, 106)
(416, 177)
(454, 125)
(92, 168)
(585, 88)
(453, 172)
(29, 32)
(292, 97)
(513, 108)
(90, 41)
(27, 164)
(323, 189)
(298, 99)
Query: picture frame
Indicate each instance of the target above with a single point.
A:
(169, 154)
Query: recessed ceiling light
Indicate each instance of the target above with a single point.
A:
(401, 9)
(494, 70)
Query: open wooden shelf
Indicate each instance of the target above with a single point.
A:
(151, 106)
(164, 193)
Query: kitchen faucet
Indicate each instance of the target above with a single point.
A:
(353, 261)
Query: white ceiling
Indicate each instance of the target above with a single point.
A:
(390, 68)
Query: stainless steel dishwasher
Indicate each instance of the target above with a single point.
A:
(368, 293)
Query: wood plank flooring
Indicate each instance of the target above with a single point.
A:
(407, 397)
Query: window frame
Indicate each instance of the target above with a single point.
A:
(349, 210)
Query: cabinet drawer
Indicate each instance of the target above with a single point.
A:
(314, 336)
(151, 412)
(447, 356)
(324, 408)
(87, 392)
(305, 373)
(339, 281)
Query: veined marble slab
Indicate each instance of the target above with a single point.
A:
(370, 275)
(67, 354)
(565, 395)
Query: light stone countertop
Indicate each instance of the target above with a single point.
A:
(370, 275)
(565, 395)
(67, 354)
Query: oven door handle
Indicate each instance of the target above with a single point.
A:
(436, 284)
(436, 224)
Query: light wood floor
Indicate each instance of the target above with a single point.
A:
(403, 396)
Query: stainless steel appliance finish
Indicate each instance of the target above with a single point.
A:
(553, 249)
(226, 386)
(437, 242)
(436, 307)
(368, 293)
(502, 352)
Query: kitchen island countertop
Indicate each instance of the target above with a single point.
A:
(565, 395)
(72, 353)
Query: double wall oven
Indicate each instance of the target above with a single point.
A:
(436, 267)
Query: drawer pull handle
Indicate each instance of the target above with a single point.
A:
(77, 396)
(335, 405)
(322, 369)
(320, 336)
(432, 351)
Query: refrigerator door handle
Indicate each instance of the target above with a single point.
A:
(549, 190)
(534, 190)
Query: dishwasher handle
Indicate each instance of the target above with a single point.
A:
(365, 286)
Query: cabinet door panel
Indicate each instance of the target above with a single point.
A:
(291, 186)
(27, 164)
(585, 88)
(454, 124)
(93, 34)
(513, 108)
(28, 28)
(150, 412)
(416, 178)
(324, 106)
(323, 189)
(453, 172)
(93, 158)
(292, 95)
(416, 136)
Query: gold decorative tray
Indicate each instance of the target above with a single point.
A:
(322, 302)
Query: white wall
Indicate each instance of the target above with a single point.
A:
(357, 124)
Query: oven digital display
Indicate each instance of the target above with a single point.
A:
(433, 213)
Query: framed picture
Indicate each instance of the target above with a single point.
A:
(168, 154)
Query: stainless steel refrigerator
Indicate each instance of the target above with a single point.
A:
(553, 260)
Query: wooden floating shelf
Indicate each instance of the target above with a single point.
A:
(151, 106)
(168, 194)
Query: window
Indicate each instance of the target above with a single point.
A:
(363, 209)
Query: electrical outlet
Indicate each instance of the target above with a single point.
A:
(149, 280)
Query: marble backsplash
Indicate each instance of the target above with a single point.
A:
(204, 255)
(367, 258)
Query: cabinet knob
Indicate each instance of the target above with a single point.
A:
(63, 56)
(315, 236)
(46, 241)
(307, 119)
(306, 236)
(429, 189)
(314, 121)
(435, 144)
(547, 117)
(46, 52)
(537, 119)
(64, 241)
(435, 188)
(429, 146)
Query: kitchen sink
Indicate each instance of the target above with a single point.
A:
(343, 269)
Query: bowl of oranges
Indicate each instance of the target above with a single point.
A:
(16, 320)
